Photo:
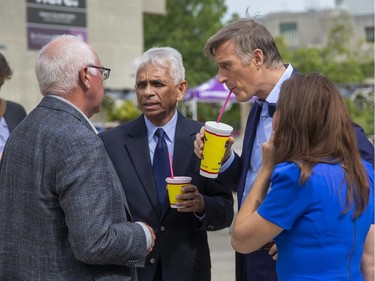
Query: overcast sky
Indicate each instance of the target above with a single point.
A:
(263, 7)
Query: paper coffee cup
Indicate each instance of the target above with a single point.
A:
(174, 186)
(215, 142)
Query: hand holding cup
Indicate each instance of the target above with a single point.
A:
(191, 199)
(199, 146)
(216, 136)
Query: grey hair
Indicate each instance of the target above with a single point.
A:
(163, 57)
(59, 63)
(247, 35)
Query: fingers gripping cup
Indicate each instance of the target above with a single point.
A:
(215, 142)
(174, 186)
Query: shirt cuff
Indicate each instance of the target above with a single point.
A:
(227, 164)
(147, 233)
(201, 218)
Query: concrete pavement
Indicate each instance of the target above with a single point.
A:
(222, 255)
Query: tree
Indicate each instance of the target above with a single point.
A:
(362, 112)
(187, 25)
(122, 111)
(339, 37)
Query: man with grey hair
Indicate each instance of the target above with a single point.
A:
(181, 249)
(64, 215)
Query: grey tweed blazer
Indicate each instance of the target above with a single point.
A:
(63, 212)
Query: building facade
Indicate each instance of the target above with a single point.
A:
(114, 28)
(312, 27)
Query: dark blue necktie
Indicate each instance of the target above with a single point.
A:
(271, 109)
(160, 166)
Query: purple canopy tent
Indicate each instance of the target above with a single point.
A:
(209, 91)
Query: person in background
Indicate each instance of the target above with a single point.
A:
(64, 215)
(249, 63)
(313, 194)
(11, 113)
(181, 249)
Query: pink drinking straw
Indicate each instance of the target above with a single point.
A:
(170, 165)
(223, 107)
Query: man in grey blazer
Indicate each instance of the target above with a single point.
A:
(181, 249)
(64, 215)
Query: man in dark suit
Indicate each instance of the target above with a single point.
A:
(11, 113)
(249, 63)
(181, 249)
(64, 215)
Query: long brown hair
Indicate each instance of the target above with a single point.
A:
(314, 126)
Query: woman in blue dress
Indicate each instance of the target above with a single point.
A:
(313, 196)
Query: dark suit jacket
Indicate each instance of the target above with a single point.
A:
(63, 214)
(14, 114)
(181, 243)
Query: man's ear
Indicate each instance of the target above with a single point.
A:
(182, 88)
(84, 77)
(258, 58)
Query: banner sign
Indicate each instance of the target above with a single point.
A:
(49, 18)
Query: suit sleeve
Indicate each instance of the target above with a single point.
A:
(231, 176)
(93, 202)
(366, 149)
(219, 207)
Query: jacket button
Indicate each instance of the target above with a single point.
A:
(162, 228)
(152, 260)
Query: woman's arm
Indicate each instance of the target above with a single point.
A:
(367, 262)
(250, 230)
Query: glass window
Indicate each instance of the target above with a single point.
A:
(369, 34)
(288, 31)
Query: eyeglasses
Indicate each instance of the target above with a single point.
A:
(104, 71)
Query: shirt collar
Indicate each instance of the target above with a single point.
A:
(169, 128)
(75, 107)
(274, 94)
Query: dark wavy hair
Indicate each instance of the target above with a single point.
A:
(5, 70)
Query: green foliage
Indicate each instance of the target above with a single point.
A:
(344, 71)
(339, 37)
(368, 68)
(187, 26)
(124, 112)
(362, 112)
(307, 60)
(108, 103)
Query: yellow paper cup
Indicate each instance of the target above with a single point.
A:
(215, 142)
(174, 186)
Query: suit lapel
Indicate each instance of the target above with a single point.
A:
(183, 147)
(248, 142)
(136, 145)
